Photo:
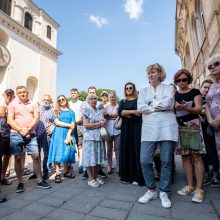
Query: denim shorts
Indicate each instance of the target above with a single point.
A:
(18, 144)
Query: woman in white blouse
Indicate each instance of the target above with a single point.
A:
(111, 110)
(159, 127)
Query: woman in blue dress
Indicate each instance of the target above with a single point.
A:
(62, 145)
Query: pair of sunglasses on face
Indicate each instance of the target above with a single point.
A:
(129, 88)
(212, 66)
(181, 80)
(61, 100)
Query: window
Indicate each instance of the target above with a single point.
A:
(5, 6)
(28, 20)
(49, 32)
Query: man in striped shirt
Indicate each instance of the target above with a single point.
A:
(44, 130)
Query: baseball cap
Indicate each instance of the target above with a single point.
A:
(9, 91)
(104, 92)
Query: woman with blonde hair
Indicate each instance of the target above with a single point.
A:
(159, 128)
(62, 145)
(111, 113)
(129, 159)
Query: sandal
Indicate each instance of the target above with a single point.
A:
(26, 172)
(57, 179)
(5, 182)
(7, 174)
(69, 174)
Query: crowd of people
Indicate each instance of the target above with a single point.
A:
(166, 119)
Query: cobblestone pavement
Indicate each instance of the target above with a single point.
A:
(74, 199)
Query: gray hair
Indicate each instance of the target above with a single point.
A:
(214, 57)
(89, 96)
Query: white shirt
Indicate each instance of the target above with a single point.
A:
(2, 102)
(76, 108)
(158, 126)
(111, 109)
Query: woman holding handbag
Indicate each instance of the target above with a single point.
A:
(130, 143)
(188, 107)
(111, 113)
(93, 145)
(62, 145)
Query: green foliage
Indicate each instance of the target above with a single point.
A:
(83, 94)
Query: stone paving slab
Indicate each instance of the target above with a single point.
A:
(115, 204)
(109, 213)
(74, 199)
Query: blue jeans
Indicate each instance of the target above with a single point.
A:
(44, 143)
(166, 156)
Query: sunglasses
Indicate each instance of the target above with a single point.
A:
(61, 100)
(93, 98)
(181, 80)
(129, 88)
(212, 66)
(104, 95)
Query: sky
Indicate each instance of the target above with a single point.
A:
(106, 43)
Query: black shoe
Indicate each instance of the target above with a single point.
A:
(32, 177)
(102, 174)
(2, 197)
(85, 175)
(206, 180)
(44, 185)
(20, 188)
(45, 176)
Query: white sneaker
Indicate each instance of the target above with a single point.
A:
(93, 183)
(100, 181)
(147, 197)
(166, 203)
(135, 183)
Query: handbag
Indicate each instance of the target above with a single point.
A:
(104, 134)
(118, 123)
(190, 137)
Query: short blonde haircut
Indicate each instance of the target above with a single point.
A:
(160, 70)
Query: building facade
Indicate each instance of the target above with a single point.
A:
(28, 54)
(197, 35)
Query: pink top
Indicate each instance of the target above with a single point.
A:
(23, 112)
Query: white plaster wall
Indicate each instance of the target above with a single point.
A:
(27, 61)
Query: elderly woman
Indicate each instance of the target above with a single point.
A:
(188, 107)
(111, 113)
(130, 143)
(211, 156)
(159, 127)
(93, 146)
(62, 143)
(213, 106)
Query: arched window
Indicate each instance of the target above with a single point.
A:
(49, 32)
(5, 6)
(28, 20)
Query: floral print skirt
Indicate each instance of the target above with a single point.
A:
(191, 133)
(92, 153)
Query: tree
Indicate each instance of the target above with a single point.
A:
(83, 94)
